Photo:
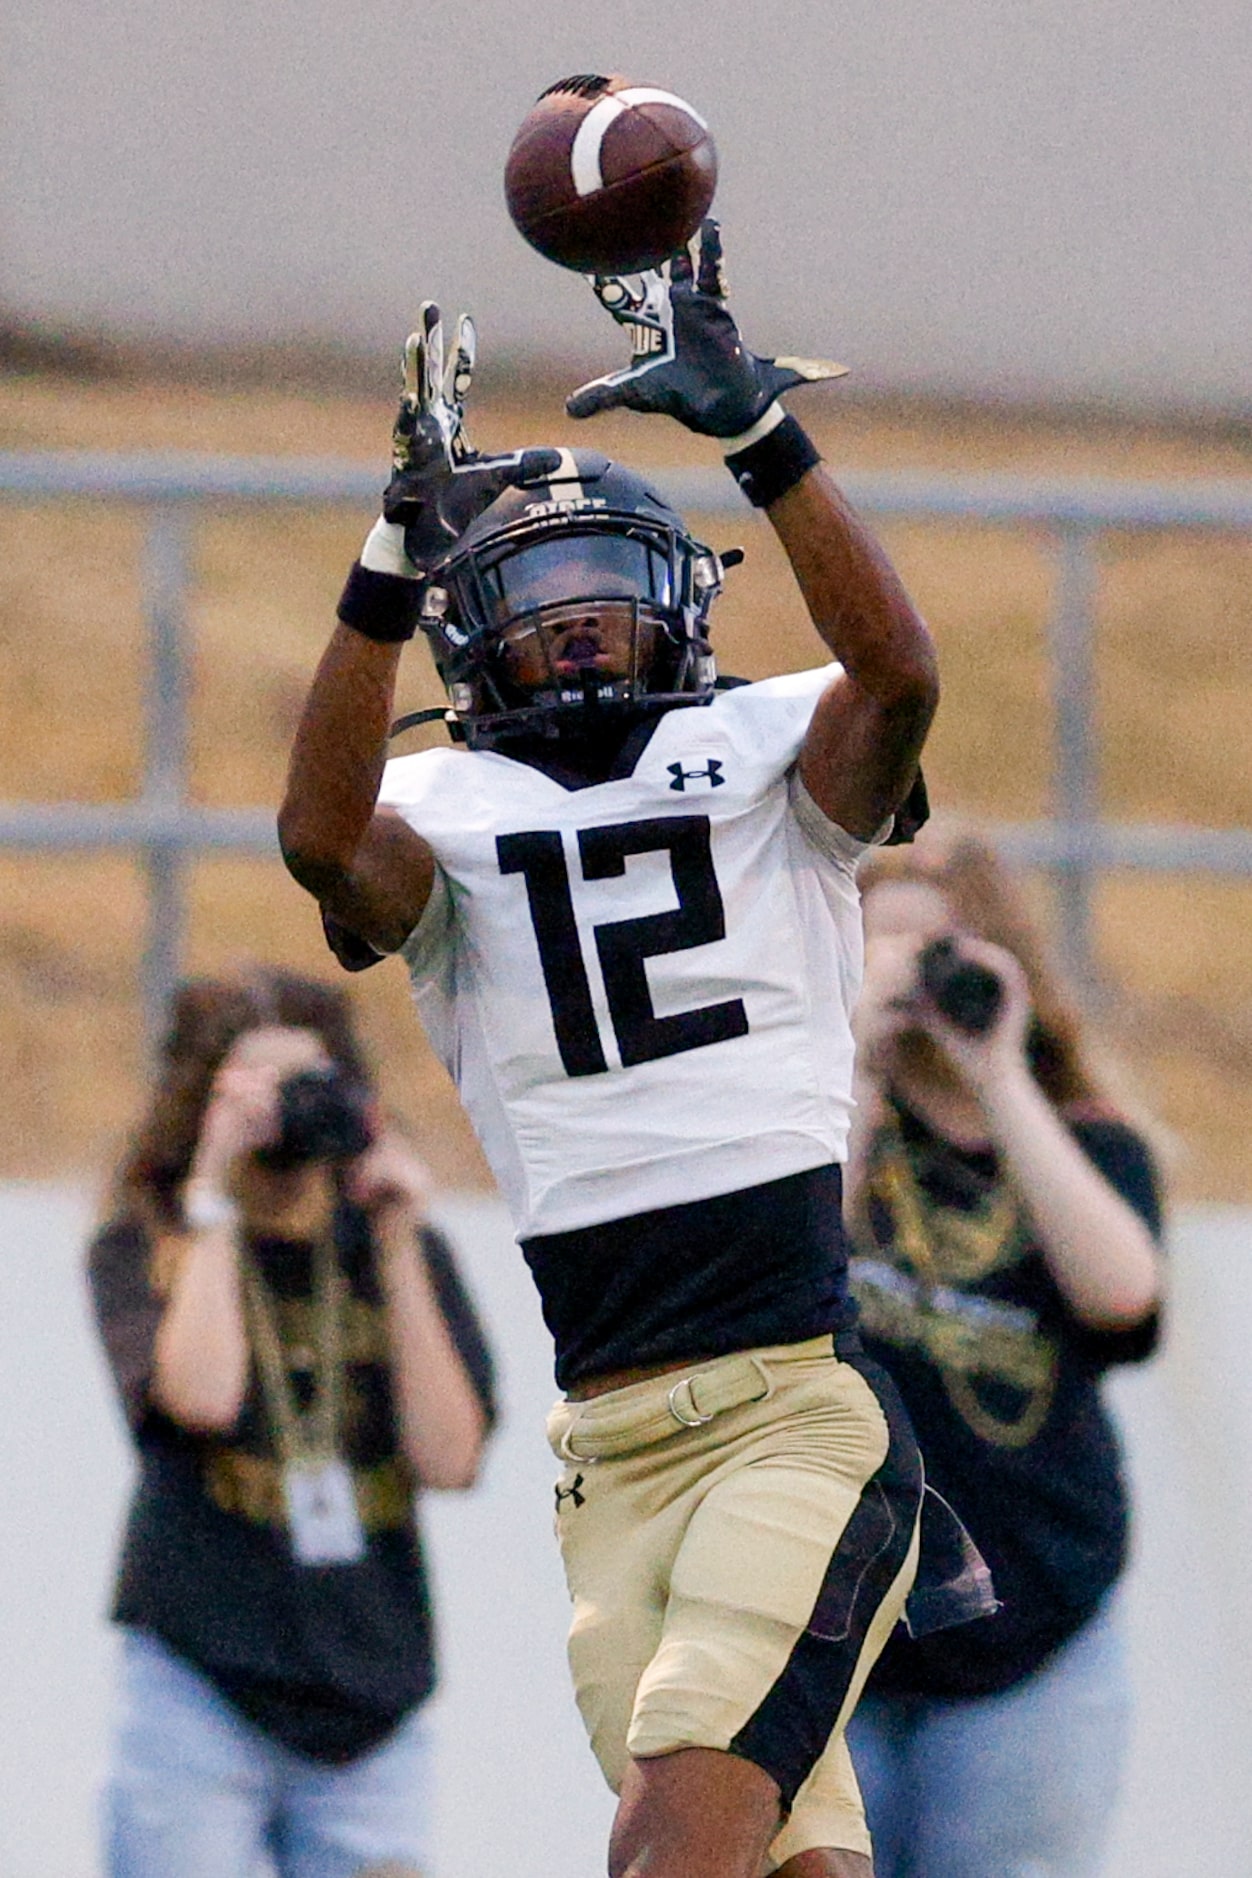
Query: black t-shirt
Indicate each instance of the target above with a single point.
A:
(327, 1659)
(1002, 1385)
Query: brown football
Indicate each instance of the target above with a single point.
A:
(608, 177)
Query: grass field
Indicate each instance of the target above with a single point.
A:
(1175, 700)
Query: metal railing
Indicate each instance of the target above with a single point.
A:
(164, 826)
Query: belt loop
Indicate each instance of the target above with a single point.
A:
(762, 1370)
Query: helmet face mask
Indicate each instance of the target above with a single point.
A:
(575, 606)
(610, 641)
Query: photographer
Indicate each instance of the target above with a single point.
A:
(296, 1357)
(1004, 1215)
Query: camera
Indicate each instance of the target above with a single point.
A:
(323, 1115)
(968, 994)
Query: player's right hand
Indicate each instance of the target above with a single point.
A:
(439, 484)
(688, 358)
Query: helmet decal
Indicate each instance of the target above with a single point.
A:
(566, 494)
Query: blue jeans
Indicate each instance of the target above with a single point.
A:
(1016, 1785)
(196, 1791)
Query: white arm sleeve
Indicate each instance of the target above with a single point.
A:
(425, 948)
(835, 843)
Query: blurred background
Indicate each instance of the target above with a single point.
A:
(1027, 233)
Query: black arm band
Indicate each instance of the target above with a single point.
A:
(354, 953)
(912, 814)
(768, 469)
(381, 606)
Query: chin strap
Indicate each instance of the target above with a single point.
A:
(440, 713)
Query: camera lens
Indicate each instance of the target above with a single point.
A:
(968, 994)
(323, 1116)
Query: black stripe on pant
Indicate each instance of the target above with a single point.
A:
(789, 1732)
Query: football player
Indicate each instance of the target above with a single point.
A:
(629, 912)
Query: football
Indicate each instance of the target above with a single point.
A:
(608, 177)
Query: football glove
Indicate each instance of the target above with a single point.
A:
(688, 360)
(439, 484)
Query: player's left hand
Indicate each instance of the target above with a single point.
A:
(688, 359)
(439, 484)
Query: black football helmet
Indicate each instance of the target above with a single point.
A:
(586, 539)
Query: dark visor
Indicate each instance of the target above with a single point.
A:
(577, 567)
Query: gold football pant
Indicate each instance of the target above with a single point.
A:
(739, 1538)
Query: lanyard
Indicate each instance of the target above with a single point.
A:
(943, 1243)
(312, 1433)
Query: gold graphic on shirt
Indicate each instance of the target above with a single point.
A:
(998, 1369)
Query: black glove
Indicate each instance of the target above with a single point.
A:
(689, 361)
(438, 483)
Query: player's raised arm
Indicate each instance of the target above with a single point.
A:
(369, 871)
(861, 753)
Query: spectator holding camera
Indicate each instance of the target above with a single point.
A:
(1005, 1216)
(296, 1357)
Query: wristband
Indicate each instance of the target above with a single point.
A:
(207, 1209)
(767, 467)
(382, 607)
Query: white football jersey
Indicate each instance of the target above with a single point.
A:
(642, 987)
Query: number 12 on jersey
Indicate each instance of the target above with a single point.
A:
(623, 945)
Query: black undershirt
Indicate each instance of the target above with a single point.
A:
(764, 1265)
(607, 753)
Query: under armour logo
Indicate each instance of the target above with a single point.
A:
(571, 1493)
(712, 774)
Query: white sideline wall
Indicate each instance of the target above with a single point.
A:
(518, 1790)
(1046, 201)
